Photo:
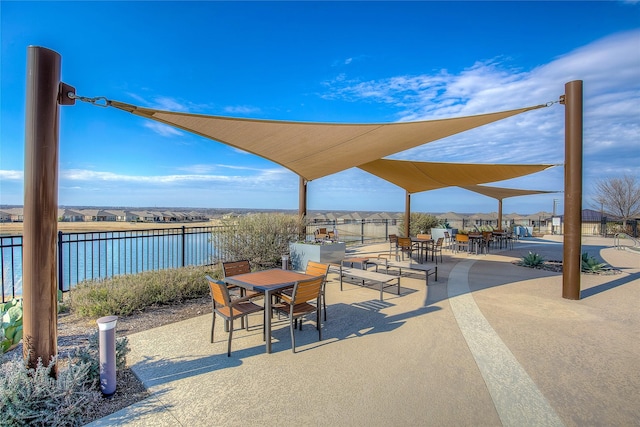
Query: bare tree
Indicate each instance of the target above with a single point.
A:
(619, 196)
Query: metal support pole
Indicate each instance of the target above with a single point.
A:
(39, 272)
(572, 191)
(407, 215)
(302, 206)
(500, 214)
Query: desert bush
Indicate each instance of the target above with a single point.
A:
(34, 396)
(260, 238)
(127, 294)
(90, 356)
(419, 223)
(532, 260)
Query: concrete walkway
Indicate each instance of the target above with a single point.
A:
(489, 343)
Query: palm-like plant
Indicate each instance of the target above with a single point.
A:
(532, 260)
(590, 264)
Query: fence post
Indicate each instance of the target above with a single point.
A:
(184, 246)
(60, 263)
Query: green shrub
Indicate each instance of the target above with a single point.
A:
(260, 238)
(419, 223)
(34, 397)
(590, 264)
(532, 260)
(127, 294)
(11, 324)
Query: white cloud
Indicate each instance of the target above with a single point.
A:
(241, 109)
(162, 129)
(609, 69)
(259, 175)
(610, 64)
(11, 175)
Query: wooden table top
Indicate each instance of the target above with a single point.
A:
(273, 278)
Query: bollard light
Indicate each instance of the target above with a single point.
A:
(107, 329)
(285, 262)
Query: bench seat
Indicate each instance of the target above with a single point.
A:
(384, 280)
(387, 263)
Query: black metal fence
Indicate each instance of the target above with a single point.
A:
(96, 255)
(11, 263)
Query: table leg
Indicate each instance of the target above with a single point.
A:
(267, 319)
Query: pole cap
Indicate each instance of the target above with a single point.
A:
(106, 323)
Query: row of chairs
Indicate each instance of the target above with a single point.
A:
(480, 242)
(404, 245)
(295, 302)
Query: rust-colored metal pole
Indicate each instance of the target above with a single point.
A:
(302, 205)
(39, 271)
(302, 198)
(500, 214)
(572, 191)
(407, 215)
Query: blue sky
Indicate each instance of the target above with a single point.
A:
(347, 62)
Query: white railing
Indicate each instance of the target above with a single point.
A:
(618, 239)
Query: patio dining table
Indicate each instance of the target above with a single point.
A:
(500, 237)
(267, 281)
(475, 241)
(424, 245)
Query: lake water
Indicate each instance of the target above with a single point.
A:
(86, 256)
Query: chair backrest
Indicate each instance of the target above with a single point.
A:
(306, 290)
(404, 242)
(462, 238)
(424, 236)
(439, 242)
(316, 269)
(219, 293)
(232, 268)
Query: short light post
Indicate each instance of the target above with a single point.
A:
(107, 328)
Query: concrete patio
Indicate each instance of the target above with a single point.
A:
(489, 344)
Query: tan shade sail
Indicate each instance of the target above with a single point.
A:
(503, 193)
(415, 177)
(313, 150)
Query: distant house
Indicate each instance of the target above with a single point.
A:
(69, 215)
(5, 216)
(120, 215)
(480, 220)
(539, 220)
(143, 216)
(601, 223)
(16, 214)
(97, 215)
